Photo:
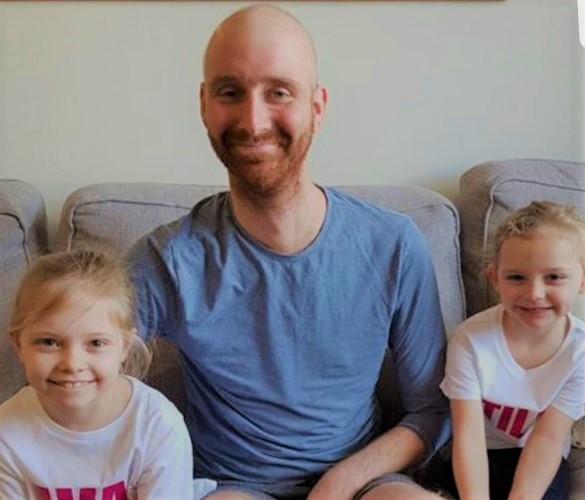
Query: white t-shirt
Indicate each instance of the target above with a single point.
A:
(480, 367)
(145, 453)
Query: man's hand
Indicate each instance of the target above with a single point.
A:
(393, 451)
(337, 484)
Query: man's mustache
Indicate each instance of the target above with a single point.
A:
(244, 138)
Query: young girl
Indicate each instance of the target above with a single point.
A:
(515, 373)
(81, 429)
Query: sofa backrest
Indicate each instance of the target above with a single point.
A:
(489, 192)
(23, 236)
(116, 215)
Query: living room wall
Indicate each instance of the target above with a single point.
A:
(419, 90)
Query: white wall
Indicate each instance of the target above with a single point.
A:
(419, 91)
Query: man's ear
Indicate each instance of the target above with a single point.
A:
(320, 98)
(202, 109)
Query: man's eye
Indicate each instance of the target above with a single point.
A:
(281, 94)
(227, 94)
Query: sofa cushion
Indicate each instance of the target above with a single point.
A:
(116, 215)
(23, 236)
(489, 192)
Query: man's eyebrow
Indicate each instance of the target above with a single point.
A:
(223, 80)
(284, 82)
(219, 81)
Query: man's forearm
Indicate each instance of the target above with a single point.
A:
(394, 451)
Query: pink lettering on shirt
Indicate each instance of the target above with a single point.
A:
(115, 491)
(512, 421)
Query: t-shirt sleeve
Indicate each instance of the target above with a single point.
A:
(11, 484)
(154, 284)
(571, 397)
(169, 470)
(461, 377)
(417, 343)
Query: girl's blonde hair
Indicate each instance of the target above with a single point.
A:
(57, 280)
(526, 221)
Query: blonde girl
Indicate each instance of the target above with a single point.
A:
(82, 427)
(515, 373)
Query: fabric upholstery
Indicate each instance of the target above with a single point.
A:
(23, 236)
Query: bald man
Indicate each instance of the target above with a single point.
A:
(283, 296)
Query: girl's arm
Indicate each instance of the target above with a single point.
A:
(541, 456)
(470, 463)
(11, 485)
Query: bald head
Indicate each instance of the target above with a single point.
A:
(261, 25)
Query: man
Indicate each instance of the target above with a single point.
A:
(283, 296)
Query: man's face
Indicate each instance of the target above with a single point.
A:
(260, 106)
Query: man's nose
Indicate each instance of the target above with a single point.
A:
(255, 115)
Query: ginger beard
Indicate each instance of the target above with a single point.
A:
(262, 175)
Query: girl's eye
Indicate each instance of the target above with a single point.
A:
(555, 277)
(98, 343)
(514, 277)
(46, 343)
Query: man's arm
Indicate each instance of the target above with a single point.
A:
(395, 450)
(541, 456)
(470, 463)
(417, 345)
(154, 287)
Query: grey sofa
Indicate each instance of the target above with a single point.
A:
(115, 215)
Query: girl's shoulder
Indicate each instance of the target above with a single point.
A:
(575, 341)
(152, 405)
(18, 409)
(577, 326)
(483, 323)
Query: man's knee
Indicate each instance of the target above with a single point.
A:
(230, 495)
(398, 490)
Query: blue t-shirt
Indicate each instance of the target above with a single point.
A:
(282, 353)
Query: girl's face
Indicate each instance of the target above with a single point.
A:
(72, 358)
(538, 279)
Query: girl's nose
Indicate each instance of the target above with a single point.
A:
(537, 290)
(72, 359)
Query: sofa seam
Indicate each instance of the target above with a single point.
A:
(24, 234)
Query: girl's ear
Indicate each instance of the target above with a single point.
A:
(128, 343)
(582, 287)
(491, 271)
(15, 343)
